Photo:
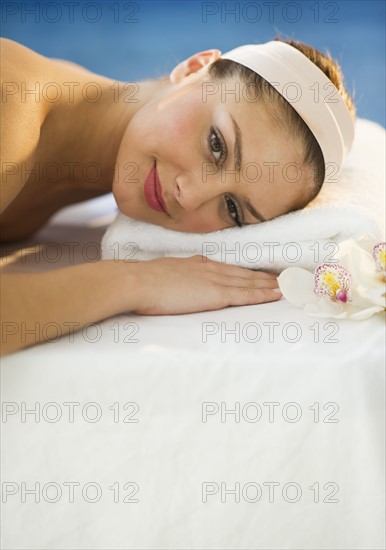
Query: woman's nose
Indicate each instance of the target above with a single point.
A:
(192, 191)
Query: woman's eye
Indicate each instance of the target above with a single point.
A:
(216, 146)
(234, 210)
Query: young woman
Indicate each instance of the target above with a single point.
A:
(175, 152)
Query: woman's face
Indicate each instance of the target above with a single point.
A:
(190, 132)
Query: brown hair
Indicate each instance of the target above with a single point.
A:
(282, 111)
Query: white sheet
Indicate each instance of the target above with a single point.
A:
(169, 373)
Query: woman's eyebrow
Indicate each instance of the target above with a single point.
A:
(252, 210)
(237, 152)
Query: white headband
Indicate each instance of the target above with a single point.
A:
(309, 91)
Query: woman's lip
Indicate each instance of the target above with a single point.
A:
(153, 191)
(159, 191)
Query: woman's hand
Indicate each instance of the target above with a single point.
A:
(187, 285)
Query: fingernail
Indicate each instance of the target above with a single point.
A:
(277, 290)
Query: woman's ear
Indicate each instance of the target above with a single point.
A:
(193, 64)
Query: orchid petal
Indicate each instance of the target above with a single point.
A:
(326, 308)
(366, 313)
(296, 285)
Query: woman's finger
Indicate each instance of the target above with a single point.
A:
(249, 296)
(238, 271)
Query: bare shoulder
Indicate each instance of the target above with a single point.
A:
(21, 68)
(30, 83)
(16, 57)
(19, 63)
(26, 75)
(22, 113)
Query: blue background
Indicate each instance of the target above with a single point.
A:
(131, 41)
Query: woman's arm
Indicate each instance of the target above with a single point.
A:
(33, 306)
(38, 306)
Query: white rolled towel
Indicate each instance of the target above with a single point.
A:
(349, 209)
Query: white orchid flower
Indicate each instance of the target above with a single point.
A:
(352, 288)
